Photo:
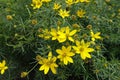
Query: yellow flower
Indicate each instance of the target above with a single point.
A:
(3, 67)
(95, 35)
(65, 54)
(49, 64)
(70, 34)
(34, 21)
(9, 17)
(24, 74)
(45, 34)
(80, 13)
(58, 34)
(69, 2)
(83, 49)
(63, 13)
(85, 1)
(39, 58)
(56, 6)
(36, 4)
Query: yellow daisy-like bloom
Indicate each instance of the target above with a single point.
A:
(45, 34)
(95, 35)
(9, 17)
(49, 64)
(36, 4)
(69, 2)
(58, 34)
(63, 13)
(3, 67)
(81, 13)
(65, 54)
(85, 1)
(83, 49)
(70, 34)
(56, 6)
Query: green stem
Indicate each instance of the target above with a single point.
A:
(32, 68)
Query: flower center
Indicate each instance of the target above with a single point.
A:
(81, 49)
(64, 55)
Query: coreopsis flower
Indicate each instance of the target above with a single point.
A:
(45, 34)
(95, 35)
(83, 49)
(65, 54)
(34, 21)
(9, 17)
(69, 2)
(56, 6)
(39, 59)
(36, 4)
(64, 13)
(69, 34)
(58, 34)
(81, 13)
(24, 74)
(49, 64)
(85, 1)
(3, 67)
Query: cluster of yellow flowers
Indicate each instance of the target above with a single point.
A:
(63, 35)
(66, 53)
(38, 3)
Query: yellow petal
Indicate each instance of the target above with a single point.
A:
(70, 54)
(5, 67)
(83, 56)
(4, 62)
(70, 59)
(91, 33)
(65, 61)
(63, 48)
(77, 43)
(71, 39)
(49, 55)
(98, 33)
(54, 59)
(93, 39)
(55, 65)
(88, 55)
(59, 51)
(46, 69)
(75, 48)
(61, 40)
(89, 49)
(67, 30)
(82, 42)
(59, 56)
(42, 67)
(68, 48)
(53, 69)
(54, 38)
(72, 32)
(2, 71)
